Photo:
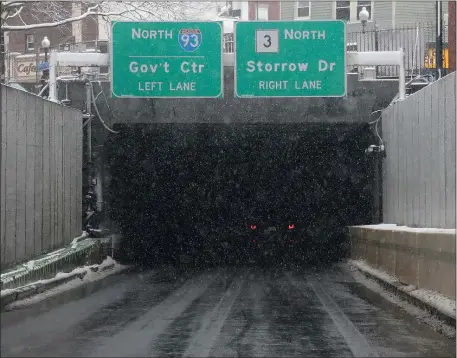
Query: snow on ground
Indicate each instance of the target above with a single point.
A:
(90, 276)
(79, 238)
(394, 227)
(7, 291)
(439, 301)
(30, 264)
(108, 261)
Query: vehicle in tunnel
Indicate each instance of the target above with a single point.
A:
(233, 193)
(271, 237)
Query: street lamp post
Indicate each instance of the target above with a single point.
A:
(45, 44)
(364, 15)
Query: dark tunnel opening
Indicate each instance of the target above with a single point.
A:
(188, 192)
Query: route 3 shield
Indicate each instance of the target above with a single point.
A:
(190, 39)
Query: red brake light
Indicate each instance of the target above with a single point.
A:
(253, 227)
(291, 226)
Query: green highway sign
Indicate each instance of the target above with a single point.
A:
(166, 59)
(290, 59)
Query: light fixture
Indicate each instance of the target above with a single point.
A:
(45, 43)
(364, 15)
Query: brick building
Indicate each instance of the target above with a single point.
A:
(23, 47)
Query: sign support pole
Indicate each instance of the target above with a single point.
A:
(439, 39)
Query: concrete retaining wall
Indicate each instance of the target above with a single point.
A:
(424, 258)
(41, 175)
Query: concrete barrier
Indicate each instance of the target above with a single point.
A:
(424, 258)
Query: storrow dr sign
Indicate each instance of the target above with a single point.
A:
(166, 59)
(290, 59)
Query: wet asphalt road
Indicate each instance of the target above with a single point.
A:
(225, 312)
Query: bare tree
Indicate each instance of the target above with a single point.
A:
(46, 14)
(58, 14)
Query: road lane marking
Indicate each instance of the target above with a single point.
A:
(137, 338)
(213, 322)
(355, 340)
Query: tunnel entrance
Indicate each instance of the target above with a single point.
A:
(190, 191)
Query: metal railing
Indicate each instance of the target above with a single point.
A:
(86, 46)
(228, 43)
(418, 43)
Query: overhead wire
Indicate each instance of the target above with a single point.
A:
(97, 111)
(90, 119)
(375, 122)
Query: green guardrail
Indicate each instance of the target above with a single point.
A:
(80, 252)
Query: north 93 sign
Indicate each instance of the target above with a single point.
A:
(190, 39)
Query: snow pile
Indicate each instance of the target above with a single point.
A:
(443, 303)
(75, 241)
(7, 291)
(30, 265)
(394, 227)
(107, 262)
(108, 267)
(81, 270)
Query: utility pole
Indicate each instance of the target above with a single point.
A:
(439, 39)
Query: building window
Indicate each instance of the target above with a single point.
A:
(30, 42)
(262, 12)
(303, 9)
(361, 5)
(343, 10)
(349, 10)
(235, 13)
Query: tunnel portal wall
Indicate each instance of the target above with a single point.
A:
(186, 187)
(362, 99)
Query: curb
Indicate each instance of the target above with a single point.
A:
(81, 250)
(407, 293)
